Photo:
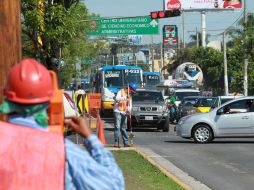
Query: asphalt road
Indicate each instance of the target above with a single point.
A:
(225, 164)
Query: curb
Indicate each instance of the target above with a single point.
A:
(163, 170)
(166, 167)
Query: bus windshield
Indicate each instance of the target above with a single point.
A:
(152, 79)
(119, 78)
(133, 76)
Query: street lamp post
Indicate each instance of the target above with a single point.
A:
(245, 62)
(225, 64)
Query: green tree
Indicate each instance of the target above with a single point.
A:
(52, 31)
(198, 36)
(241, 43)
(211, 63)
(182, 56)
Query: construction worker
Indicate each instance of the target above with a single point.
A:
(121, 109)
(34, 157)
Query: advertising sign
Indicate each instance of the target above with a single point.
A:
(201, 4)
(170, 34)
(125, 26)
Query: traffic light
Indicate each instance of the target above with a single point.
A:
(165, 14)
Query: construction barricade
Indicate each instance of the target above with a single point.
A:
(89, 105)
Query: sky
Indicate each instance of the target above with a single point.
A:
(216, 23)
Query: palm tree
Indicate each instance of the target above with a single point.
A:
(198, 36)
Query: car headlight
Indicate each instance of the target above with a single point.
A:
(135, 108)
(189, 112)
(162, 108)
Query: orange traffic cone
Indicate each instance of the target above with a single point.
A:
(100, 130)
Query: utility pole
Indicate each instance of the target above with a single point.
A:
(225, 64)
(10, 38)
(203, 28)
(197, 37)
(184, 45)
(152, 53)
(162, 59)
(245, 62)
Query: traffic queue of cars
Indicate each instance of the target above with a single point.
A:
(234, 118)
(201, 118)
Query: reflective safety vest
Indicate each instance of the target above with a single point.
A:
(123, 104)
(31, 159)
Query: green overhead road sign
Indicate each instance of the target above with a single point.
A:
(124, 26)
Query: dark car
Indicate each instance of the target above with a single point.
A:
(149, 109)
(186, 105)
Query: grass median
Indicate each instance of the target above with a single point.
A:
(142, 175)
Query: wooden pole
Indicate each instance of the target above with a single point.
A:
(10, 38)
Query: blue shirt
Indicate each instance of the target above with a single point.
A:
(94, 168)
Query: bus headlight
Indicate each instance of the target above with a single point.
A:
(107, 95)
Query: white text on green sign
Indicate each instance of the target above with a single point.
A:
(125, 26)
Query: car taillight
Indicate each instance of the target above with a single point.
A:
(69, 100)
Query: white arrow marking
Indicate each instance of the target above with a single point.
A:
(153, 23)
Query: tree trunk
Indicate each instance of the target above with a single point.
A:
(10, 38)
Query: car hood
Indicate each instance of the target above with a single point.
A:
(186, 107)
(203, 109)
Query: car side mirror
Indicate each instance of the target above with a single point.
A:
(226, 110)
(220, 112)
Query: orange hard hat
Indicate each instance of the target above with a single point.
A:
(29, 82)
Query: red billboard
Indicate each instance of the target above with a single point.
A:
(201, 4)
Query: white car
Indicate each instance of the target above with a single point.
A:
(181, 93)
(232, 119)
(223, 99)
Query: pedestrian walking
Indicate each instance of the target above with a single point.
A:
(34, 157)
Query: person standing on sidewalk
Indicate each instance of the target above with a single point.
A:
(33, 156)
(122, 108)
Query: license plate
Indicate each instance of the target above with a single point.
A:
(148, 117)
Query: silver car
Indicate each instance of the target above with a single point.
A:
(232, 119)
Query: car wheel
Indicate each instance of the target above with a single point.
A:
(202, 134)
(166, 125)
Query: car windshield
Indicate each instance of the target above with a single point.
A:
(181, 95)
(206, 102)
(224, 100)
(147, 96)
(189, 100)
